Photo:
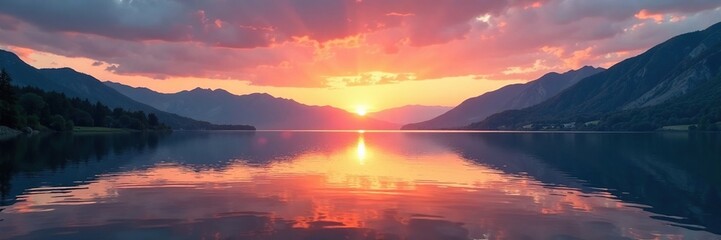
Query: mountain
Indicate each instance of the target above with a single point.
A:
(701, 108)
(83, 86)
(259, 109)
(661, 76)
(409, 113)
(515, 96)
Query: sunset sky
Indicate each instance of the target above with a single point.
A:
(344, 53)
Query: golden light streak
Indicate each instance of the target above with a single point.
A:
(361, 110)
(361, 149)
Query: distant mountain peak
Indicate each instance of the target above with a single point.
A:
(220, 90)
(514, 96)
(409, 113)
(259, 109)
(65, 70)
(551, 74)
(223, 92)
(8, 54)
(198, 89)
(587, 67)
(261, 95)
(654, 83)
(83, 86)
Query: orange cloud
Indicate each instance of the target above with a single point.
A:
(21, 51)
(324, 43)
(645, 14)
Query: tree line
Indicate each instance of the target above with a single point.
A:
(41, 110)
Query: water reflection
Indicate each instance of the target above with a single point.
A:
(361, 149)
(366, 185)
(64, 159)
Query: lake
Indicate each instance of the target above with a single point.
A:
(361, 185)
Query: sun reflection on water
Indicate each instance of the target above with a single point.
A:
(361, 149)
(394, 188)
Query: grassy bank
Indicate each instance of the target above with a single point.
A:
(688, 127)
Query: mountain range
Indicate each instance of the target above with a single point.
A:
(409, 113)
(675, 82)
(515, 96)
(258, 109)
(83, 86)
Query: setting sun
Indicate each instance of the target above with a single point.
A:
(360, 119)
(361, 110)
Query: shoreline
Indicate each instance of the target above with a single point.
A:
(7, 133)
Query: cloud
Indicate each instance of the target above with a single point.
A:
(248, 23)
(369, 78)
(321, 43)
(8, 23)
(21, 51)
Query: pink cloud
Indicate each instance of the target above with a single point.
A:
(22, 52)
(645, 14)
(310, 43)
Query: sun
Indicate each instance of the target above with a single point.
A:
(361, 110)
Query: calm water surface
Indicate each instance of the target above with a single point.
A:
(369, 185)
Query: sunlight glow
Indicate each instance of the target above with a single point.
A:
(361, 150)
(361, 110)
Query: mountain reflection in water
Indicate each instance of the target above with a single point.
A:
(361, 185)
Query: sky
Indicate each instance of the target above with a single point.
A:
(374, 54)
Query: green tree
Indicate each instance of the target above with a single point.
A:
(32, 103)
(33, 121)
(57, 123)
(153, 120)
(82, 118)
(140, 115)
(118, 112)
(99, 115)
(39, 109)
(8, 111)
(69, 125)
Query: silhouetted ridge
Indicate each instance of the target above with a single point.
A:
(515, 96)
(76, 84)
(660, 77)
(259, 109)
